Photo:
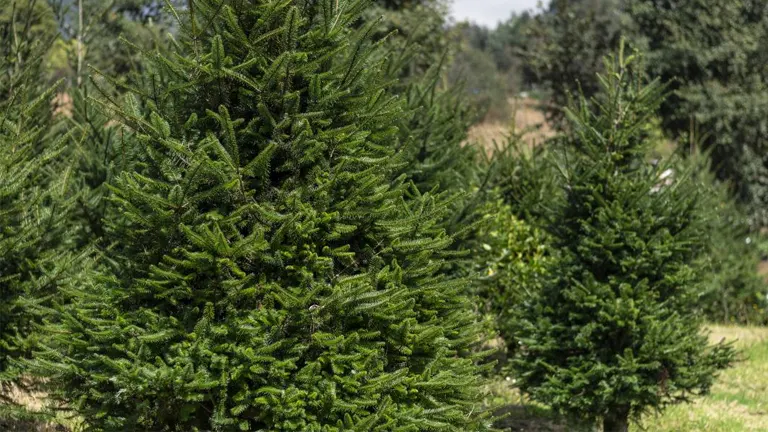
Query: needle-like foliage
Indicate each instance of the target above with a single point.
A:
(35, 197)
(615, 333)
(274, 271)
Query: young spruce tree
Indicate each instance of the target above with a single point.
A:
(273, 275)
(614, 334)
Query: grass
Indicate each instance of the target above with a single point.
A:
(738, 401)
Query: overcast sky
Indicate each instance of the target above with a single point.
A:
(489, 12)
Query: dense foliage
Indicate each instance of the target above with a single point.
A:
(36, 252)
(711, 51)
(566, 47)
(275, 272)
(514, 259)
(221, 215)
(614, 332)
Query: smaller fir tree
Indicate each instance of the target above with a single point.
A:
(614, 333)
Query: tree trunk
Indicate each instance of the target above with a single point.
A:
(616, 421)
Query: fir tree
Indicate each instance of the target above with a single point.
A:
(97, 148)
(615, 334)
(733, 291)
(34, 190)
(275, 273)
(434, 132)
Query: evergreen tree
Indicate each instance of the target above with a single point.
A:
(34, 190)
(528, 180)
(733, 292)
(274, 271)
(433, 135)
(566, 46)
(100, 155)
(615, 333)
(712, 52)
(97, 147)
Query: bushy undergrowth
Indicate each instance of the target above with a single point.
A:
(513, 261)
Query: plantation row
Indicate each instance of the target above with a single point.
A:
(270, 221)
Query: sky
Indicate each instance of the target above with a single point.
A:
(489, 12)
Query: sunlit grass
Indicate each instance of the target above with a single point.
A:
(738, 401)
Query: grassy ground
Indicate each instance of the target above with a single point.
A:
(738, 402)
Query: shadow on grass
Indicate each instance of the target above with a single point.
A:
(532, 418)
(9, 425)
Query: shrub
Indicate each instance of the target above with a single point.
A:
(513, 261)
(712, 53)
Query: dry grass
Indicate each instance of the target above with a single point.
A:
(63, 105)
(34, 403)
(762, 270)
(742, 336)
(528, 120)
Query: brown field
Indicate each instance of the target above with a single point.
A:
(528, 121)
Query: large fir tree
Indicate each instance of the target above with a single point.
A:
(274, 272)
(614, 334)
